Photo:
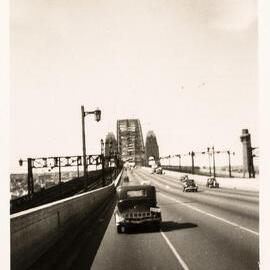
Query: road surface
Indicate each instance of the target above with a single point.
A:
(213, 229)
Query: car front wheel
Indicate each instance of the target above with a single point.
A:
(120, 229)
(157, 226)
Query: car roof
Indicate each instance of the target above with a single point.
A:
(135, 187)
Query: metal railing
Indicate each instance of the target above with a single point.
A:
(94, 180)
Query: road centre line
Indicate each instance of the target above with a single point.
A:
(175, 253)
(211, 215)
(172, 248)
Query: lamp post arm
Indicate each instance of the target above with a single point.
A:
(91, 112)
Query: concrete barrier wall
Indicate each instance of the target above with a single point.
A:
(36, 230)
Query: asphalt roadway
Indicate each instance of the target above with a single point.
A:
(213, 229)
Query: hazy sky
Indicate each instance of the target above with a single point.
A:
(186, 68)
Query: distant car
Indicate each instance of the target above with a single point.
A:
(136, 205)
(145, 182)
(212, 183)
(184, 178)
(159, 170)
(153, 168)
(126, 179)
(190, 185)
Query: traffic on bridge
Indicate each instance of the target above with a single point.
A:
(134, 138)
(130, 211)
(209, 229)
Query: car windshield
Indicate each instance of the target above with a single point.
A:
(190, 182)
(136, 193)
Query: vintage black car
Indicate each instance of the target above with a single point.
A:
(159, 170)
(212, 183)
(190, 185)
(136, 205)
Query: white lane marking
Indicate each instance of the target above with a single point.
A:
(175, 253)
(211, 215)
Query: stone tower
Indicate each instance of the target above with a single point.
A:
(151, 147)
(248, 167)
(110, 145)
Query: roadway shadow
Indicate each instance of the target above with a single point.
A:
(193, 192)
(168, 226)
(141, 229)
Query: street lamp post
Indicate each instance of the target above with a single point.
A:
(229, 159)
(30, 179)
(83, 141)
(59, 172)
(209, 160)
(179, 156)
(102, 161)
(214, 164)
(192, 161)
(78, 164)
(251, 171)
(110, 156)
(97, 114)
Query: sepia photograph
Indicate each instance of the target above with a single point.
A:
(135, 135)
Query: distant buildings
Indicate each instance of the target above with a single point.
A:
(19, 187)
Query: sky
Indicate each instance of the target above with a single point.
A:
(186, 68)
